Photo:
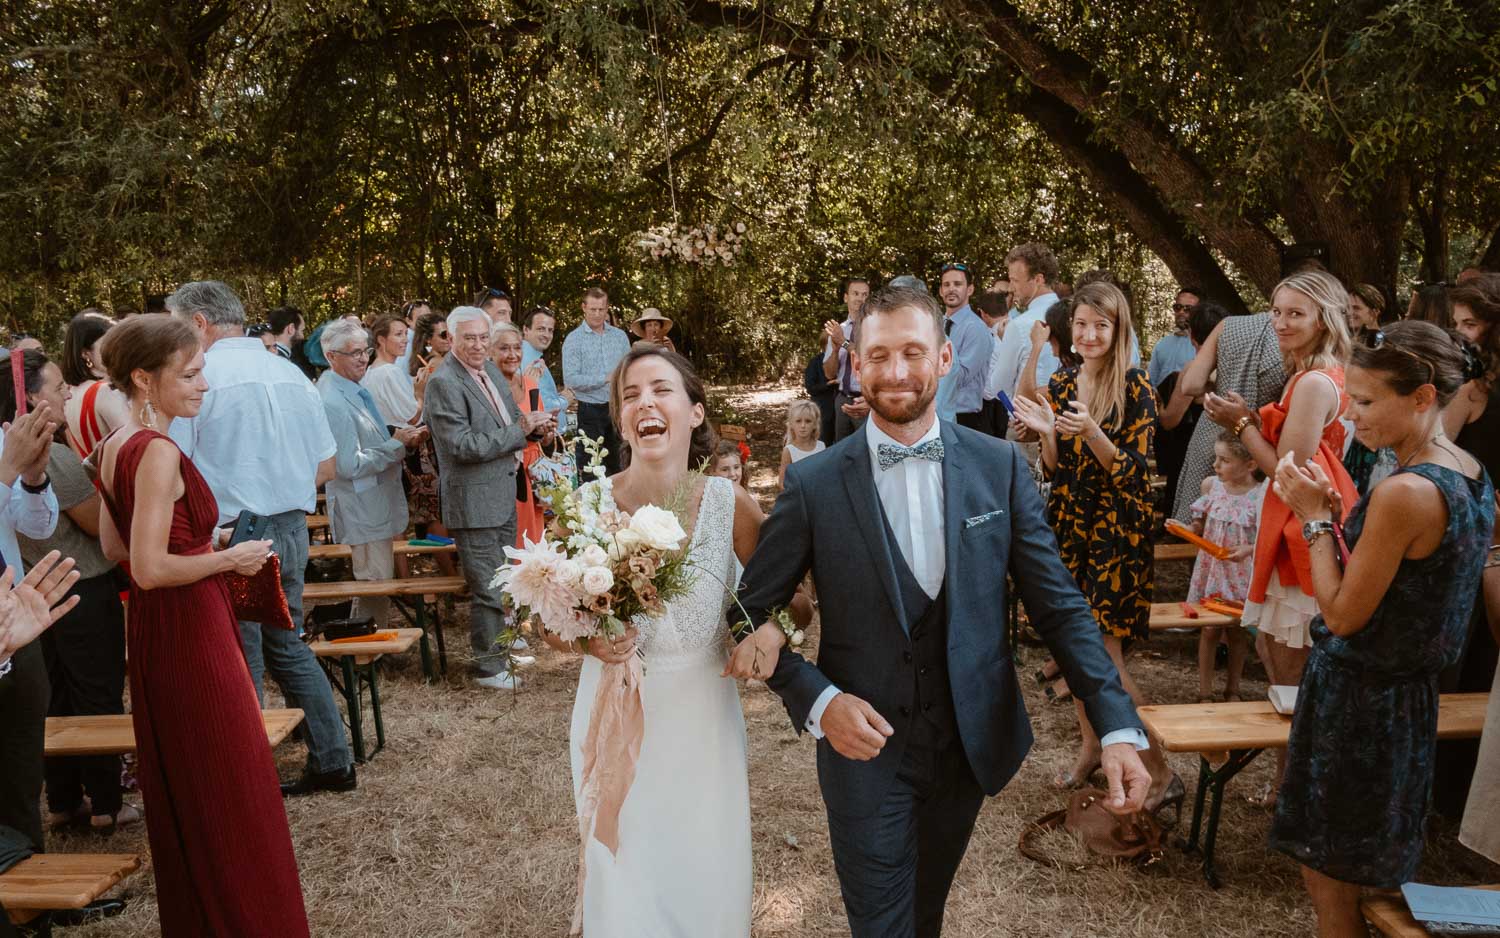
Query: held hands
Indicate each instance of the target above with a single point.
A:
(856, 731)
(1126, 777)
(29, 607)
(532, 421)
(1226, 409)
(857, 409)
(411, 437)
(1306, 490)
(614, 650)
(1077, 422)
(247, 557)
(1036, 416)
(755, 657)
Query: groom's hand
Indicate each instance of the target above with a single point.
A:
(854, 729)
(1126, 776)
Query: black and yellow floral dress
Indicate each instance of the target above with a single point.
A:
(1102, 515)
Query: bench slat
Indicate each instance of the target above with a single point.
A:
(63, 880)
(1176, 551)
(365, 652)
(1170, 616)
(400, 548)
(354, 589)
(113, 734)
(1215, 727)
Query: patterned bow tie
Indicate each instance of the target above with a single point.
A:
(891, 455)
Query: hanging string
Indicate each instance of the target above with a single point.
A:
(661, 106)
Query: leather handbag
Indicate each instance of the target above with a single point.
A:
(1135, 838)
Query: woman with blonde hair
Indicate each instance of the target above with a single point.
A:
(1095, 424)
(1309, 313)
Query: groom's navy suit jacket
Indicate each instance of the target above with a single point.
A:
(828, 520)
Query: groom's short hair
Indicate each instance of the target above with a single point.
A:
(892, 299)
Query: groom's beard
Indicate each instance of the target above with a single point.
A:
(901, 412)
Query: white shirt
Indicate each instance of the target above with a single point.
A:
(261, 433)
(1015, 348)
(911, 492)
(404, 360)
(33, 515)
(992, 385)
(392, 392)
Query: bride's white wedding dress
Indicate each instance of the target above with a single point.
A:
(683, 866)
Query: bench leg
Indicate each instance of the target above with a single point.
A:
(421, 611)
(352, 702)
(1215, 779)
(373, 681)
(437, 628)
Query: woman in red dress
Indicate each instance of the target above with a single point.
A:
(218, 830)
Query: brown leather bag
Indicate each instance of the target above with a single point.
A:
(1135, 837)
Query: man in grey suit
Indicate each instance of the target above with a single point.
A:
(479, 433)
(366, 507)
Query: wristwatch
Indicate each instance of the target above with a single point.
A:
(1312, 530)
(848, 344)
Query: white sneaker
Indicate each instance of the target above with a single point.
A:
(520, 644)
(502, 681)
(522, 661)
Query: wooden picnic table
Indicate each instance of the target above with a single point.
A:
(1172, 616)
(408, 592)
(1236, 732)
(113, 734)
(400, 548)
(1390, 916)
(49, 881)
(357, 675)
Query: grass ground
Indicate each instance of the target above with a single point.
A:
(464, 825)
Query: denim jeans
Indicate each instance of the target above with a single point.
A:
(290, 661)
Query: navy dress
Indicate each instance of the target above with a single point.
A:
(1359, 761)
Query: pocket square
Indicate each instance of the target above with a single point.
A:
(977, 520)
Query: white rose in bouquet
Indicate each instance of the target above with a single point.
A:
(597, 580)
(594, 556)
(568, 572)
(657, 528)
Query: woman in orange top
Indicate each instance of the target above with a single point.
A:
(505, 351)
(1309, 316)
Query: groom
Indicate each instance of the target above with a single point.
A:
(909, 527)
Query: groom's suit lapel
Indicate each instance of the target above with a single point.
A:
(859, 479)
(954, 481)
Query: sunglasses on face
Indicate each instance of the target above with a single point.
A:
(1184, 307)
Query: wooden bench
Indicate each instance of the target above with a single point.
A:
(48, 882)
(414, 590)
(114, 735)
(1175, 550)
(357, 663)
(1237, 732)
(1171, 616)
(1390, 916)
(400, 548)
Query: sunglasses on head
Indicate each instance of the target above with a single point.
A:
(955, 266)
(1376, 340)
(491, 293)
(406, 310)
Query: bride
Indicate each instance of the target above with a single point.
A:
(683, 865)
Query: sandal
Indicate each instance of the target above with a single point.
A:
(1057, 696)
(106, 824)
(1042, 677)
(1264, 797)
(1171, 798)
(1067, 781)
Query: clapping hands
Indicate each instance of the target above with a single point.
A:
(1036, 415)
(29, 607)
(1307, 490)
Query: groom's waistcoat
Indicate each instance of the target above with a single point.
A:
(934, 724)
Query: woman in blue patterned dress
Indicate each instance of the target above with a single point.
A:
(1359, 761)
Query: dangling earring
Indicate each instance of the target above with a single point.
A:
(148, 415)
(1073, 349)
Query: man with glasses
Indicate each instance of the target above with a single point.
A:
(960, 394)
(589, 354)
(1173, 352)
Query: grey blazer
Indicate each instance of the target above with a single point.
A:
(365, 501)
(475, 451)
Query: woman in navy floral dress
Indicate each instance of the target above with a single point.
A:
(1359, 761)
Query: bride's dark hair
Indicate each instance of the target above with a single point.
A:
(702, 445)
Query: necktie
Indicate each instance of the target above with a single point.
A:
(891, 454)
(948, 326)
(369, 402)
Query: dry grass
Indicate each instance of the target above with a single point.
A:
(464, 825)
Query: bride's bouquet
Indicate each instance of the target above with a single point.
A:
(595, 568)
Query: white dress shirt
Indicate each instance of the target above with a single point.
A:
(261, 433)
(992, 386)
(911, 492)
(1015, 347)
(392, 392)
(33, 515)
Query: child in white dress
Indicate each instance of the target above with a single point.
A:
(802, 421)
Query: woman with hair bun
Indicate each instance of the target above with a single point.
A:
(1360, 758)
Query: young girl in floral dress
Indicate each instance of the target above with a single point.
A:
(1228, 514)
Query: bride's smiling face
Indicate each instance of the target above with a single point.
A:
(657, 418)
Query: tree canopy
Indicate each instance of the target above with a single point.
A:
(348, 156)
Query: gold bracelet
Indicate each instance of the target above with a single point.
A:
(1242, 423)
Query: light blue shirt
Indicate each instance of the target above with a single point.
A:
(961, 390)
(365, 500)
(33, 515)
(1171, 354)
(588, 358)
(552, 401)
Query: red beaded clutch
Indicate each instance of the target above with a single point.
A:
(259, 598)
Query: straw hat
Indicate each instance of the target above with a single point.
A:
(650, 314)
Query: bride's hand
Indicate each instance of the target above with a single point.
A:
(614, 650)
(755, 657)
